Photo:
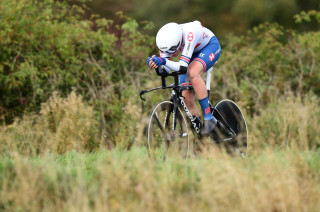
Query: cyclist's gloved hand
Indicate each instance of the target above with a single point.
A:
(148, 60)
(159, 61)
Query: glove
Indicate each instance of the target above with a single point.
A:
(159, 61)
(148, 60)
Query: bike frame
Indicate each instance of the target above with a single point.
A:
(178, 101)
(176, 98)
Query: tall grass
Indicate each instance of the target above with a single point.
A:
(54, 161)
(63, 124)
(289, 121)
(120, 180)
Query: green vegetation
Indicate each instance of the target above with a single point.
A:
(120, 180)
(228, 16)
(46, 47)
(72, 124)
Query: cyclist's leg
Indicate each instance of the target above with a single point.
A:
(189, 96)
(195, 71)
(190, 102)
(201, 62)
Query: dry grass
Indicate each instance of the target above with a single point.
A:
(281, 173)
(128, 181)
(290, 121)
(63, 124)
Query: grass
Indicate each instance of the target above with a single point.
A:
(117, 180)
(54, 161)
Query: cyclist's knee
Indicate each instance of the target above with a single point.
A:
(195, 70)
(193, 74)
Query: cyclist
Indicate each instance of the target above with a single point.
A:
(200, 50)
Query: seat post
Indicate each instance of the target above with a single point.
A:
(208, 81)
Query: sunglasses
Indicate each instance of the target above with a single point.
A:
(172, 50)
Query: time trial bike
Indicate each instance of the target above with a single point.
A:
(170, 122)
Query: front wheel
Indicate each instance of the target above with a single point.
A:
(162, 139)
(232, 114)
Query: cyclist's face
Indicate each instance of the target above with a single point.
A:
(172, 53)
(175, 53)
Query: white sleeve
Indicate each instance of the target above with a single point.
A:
(170, 65)
(164, 69)
(174, 66)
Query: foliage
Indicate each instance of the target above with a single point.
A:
(258, 68)
(69, 108)
(307, 16)
(64, 124)
(223, 17)
(45, 47)
(288, 122)
(120, 180)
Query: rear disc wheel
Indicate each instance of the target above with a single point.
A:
(232, 114)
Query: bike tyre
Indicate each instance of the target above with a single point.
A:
(157, 146)
(233, 115)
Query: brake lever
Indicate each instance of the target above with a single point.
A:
(142, 93)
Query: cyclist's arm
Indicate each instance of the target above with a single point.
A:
(164, 67)
(174, 66)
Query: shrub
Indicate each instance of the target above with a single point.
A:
(288, 122)
(63, 124)
(258, 68)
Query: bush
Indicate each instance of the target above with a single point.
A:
(288, 122)
(258, 68)
(47, 47)
(63, 124)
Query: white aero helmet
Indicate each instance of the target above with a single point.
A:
(169, 38)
